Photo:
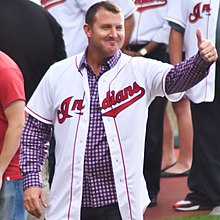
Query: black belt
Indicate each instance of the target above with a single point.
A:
(137, 47)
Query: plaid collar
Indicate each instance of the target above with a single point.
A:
(109, 63)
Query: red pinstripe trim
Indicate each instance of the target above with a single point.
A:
(38, 115)
(74, 148)
(125, 174)
(122, 155)
(78, 66)
(73, 157)
(207, 28)
(119, 72)
(54, 4)
(207, 34)
(143, 8)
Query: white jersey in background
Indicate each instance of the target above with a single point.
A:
(191, 14)
(151, 25)
(70, 14)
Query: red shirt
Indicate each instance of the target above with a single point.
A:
(11, 89)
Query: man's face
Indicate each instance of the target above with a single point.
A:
(106, 35)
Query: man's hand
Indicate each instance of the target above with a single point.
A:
(32, 196)
(207, 50)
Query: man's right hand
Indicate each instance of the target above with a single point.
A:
(32, 197)
(206, 48)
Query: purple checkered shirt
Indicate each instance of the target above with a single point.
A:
(98, 182)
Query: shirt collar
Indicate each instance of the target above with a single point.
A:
(111, 62)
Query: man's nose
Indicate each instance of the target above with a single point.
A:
(113, 32)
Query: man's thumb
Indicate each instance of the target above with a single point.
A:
(43, 200)
(199, 37)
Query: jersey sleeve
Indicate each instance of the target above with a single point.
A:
(162, 35)
(85, 4)
(176, 26)
(176, 12)
(40, 104)
(154, 74)
(128, 8)
(12, 86)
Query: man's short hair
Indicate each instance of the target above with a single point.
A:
(107, 5)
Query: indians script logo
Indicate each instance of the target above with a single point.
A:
(122, 99)
(198, 11)
(50, 3)
(143, 5)
(69, 106)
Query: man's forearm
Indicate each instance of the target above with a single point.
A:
(10, 146)
(185, 75)
(129, 27)
(175, 46)
(33, 150)
(14, 114)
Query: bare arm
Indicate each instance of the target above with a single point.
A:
(175, 46)
(129, 27)
(15, 117)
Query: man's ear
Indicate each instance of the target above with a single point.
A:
(87, 30)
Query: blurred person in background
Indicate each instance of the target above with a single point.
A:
(173, 166)
(33, 39)
(204, 177)
(12, 118)
(149, 39)
(71, 16)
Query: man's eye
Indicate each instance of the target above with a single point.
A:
(105, 27)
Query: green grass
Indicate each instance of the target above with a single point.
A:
(196, 217)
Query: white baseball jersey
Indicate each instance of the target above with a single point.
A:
(150, 22)
(125, 92)
(70, 14)
(190, 15)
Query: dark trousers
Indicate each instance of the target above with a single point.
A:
(51, 159)
(204, 178)
(109, 212)
(154, 134)
(153, 146)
